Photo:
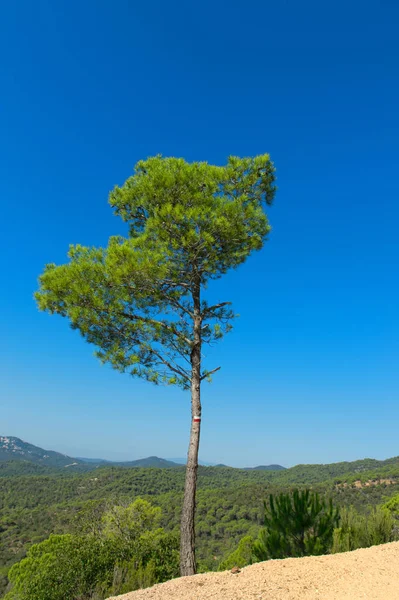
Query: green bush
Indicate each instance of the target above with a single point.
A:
(297, 524)
(393, 506)
(61, 567)
(241, 557)
(129, 552)
(361, 531)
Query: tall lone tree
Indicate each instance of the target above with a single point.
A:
(139, 301)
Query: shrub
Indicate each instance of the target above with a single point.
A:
(297, 524)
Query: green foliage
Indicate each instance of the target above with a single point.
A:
(127, 577)
(229, 501)
(188, 223)
(64, 566)
(199, 213)
(241, 557)
(361, 531)
(356, 530)
(296, 524)
(393, 506)
(128, 551)
(130, 523)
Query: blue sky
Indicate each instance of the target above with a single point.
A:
(310, 372)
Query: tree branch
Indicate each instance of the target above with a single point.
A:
(156, 322)
(175, 369)
(215, 307)
(180, 307)
(208, 373)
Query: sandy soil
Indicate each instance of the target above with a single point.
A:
(371, 573)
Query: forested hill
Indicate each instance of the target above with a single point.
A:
(15, 449)
(217, 476)
(37, 500)
(36, 460)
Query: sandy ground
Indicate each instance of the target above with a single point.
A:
(371, 573)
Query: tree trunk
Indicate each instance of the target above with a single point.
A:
(187, 529)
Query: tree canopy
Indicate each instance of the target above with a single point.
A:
(132, 299)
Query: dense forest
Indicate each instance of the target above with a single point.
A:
(36, 501)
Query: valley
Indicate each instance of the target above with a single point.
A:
(38, 499)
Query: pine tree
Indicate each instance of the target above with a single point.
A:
(297, 524)
(140, 300)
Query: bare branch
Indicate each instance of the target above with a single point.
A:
(208, 373)
(179, 352)
(172, 283)
(215, 307)
(180, 307)
(180, 371)
(170, 328)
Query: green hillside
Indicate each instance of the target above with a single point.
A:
(36, 500)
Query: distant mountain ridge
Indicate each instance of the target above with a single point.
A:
(182, 461)
(15, 449)
(150, 461)
(266, 468)
(97, 461)
(19, 457)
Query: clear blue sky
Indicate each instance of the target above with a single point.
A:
(310, 372)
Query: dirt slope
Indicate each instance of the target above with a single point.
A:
(371, 573)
